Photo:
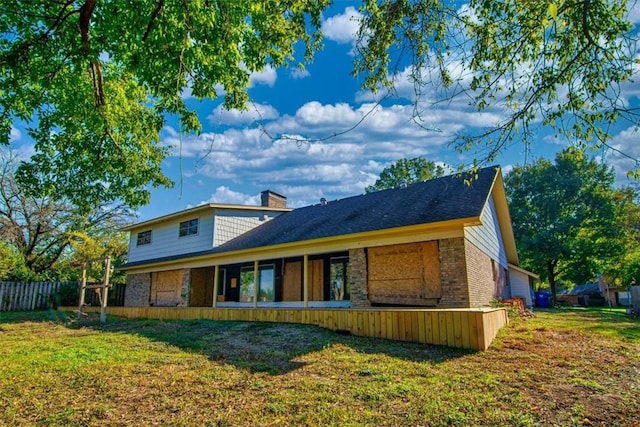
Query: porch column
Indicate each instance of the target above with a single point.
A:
(255, 284)
(305, 280)
(216, 275)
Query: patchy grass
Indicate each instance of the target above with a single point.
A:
(564, 367)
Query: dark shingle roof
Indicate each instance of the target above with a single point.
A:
(426, 202)
(432, 201)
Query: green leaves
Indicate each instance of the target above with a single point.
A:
(568, 220)
(559, 63)
(39, 236)
(96, 96)
(406, 171)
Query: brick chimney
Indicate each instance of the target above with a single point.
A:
(271, 199)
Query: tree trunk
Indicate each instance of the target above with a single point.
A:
(551, 268)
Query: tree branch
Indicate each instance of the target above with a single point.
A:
(85, 20)
(153, 17)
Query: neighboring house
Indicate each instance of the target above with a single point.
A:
(445, 243)
(584, 295)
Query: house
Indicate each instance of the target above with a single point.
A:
(585, 295)
(189, 231)
(443, 243)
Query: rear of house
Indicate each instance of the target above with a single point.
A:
(444, 243)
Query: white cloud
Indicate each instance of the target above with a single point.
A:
(342, 28)
(506, 169)
(256, 112)
(14, 135)
(634, 12)
(315, 113)
(298, 73)
(267, 76)
(226, 195)
(625, 149)
(321, 150)
(19, 146)
(25, 151)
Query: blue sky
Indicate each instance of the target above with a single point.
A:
(238, 155)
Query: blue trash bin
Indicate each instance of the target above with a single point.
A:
(543, 299)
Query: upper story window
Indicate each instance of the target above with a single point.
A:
(187, 228)
(144, 238)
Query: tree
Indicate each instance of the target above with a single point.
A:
(93, 249)
(41, 232)
(96, 80)
(10, 260)
(626, 270)
(566, 217)
(560, 64)
(406, 171)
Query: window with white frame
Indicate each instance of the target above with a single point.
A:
(189, 228)
(144, 238)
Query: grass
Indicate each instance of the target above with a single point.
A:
(560, 367)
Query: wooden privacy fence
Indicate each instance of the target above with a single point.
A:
(463, 328)
(17, 296)
(115, 297)
(21, 296)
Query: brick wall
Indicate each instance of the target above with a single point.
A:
(484, 276)
(185, 288)
(453, 271)
(358, 278)
(137, 291)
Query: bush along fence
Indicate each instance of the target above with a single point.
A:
(21, 296)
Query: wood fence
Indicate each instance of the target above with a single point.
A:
(25, 296)
(115, 297)
(18, 296)
(463, 328)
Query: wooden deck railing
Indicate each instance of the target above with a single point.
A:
(463, 328)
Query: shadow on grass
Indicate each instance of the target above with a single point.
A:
(273, 348)
(50, 315)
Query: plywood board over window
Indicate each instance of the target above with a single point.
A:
(406, 274)
(201, 287)
(165, 288)
(292, 281)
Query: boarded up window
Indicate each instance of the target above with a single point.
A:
(406, 274)
(292, 282)
(165, 288)
(202, 287)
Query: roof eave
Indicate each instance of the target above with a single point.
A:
(504, 217)
(523, 271)
(201, 208)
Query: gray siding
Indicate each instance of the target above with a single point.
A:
(487, 237)
(230, 224)
(165, 240)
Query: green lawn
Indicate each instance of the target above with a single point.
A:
(564, 367)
